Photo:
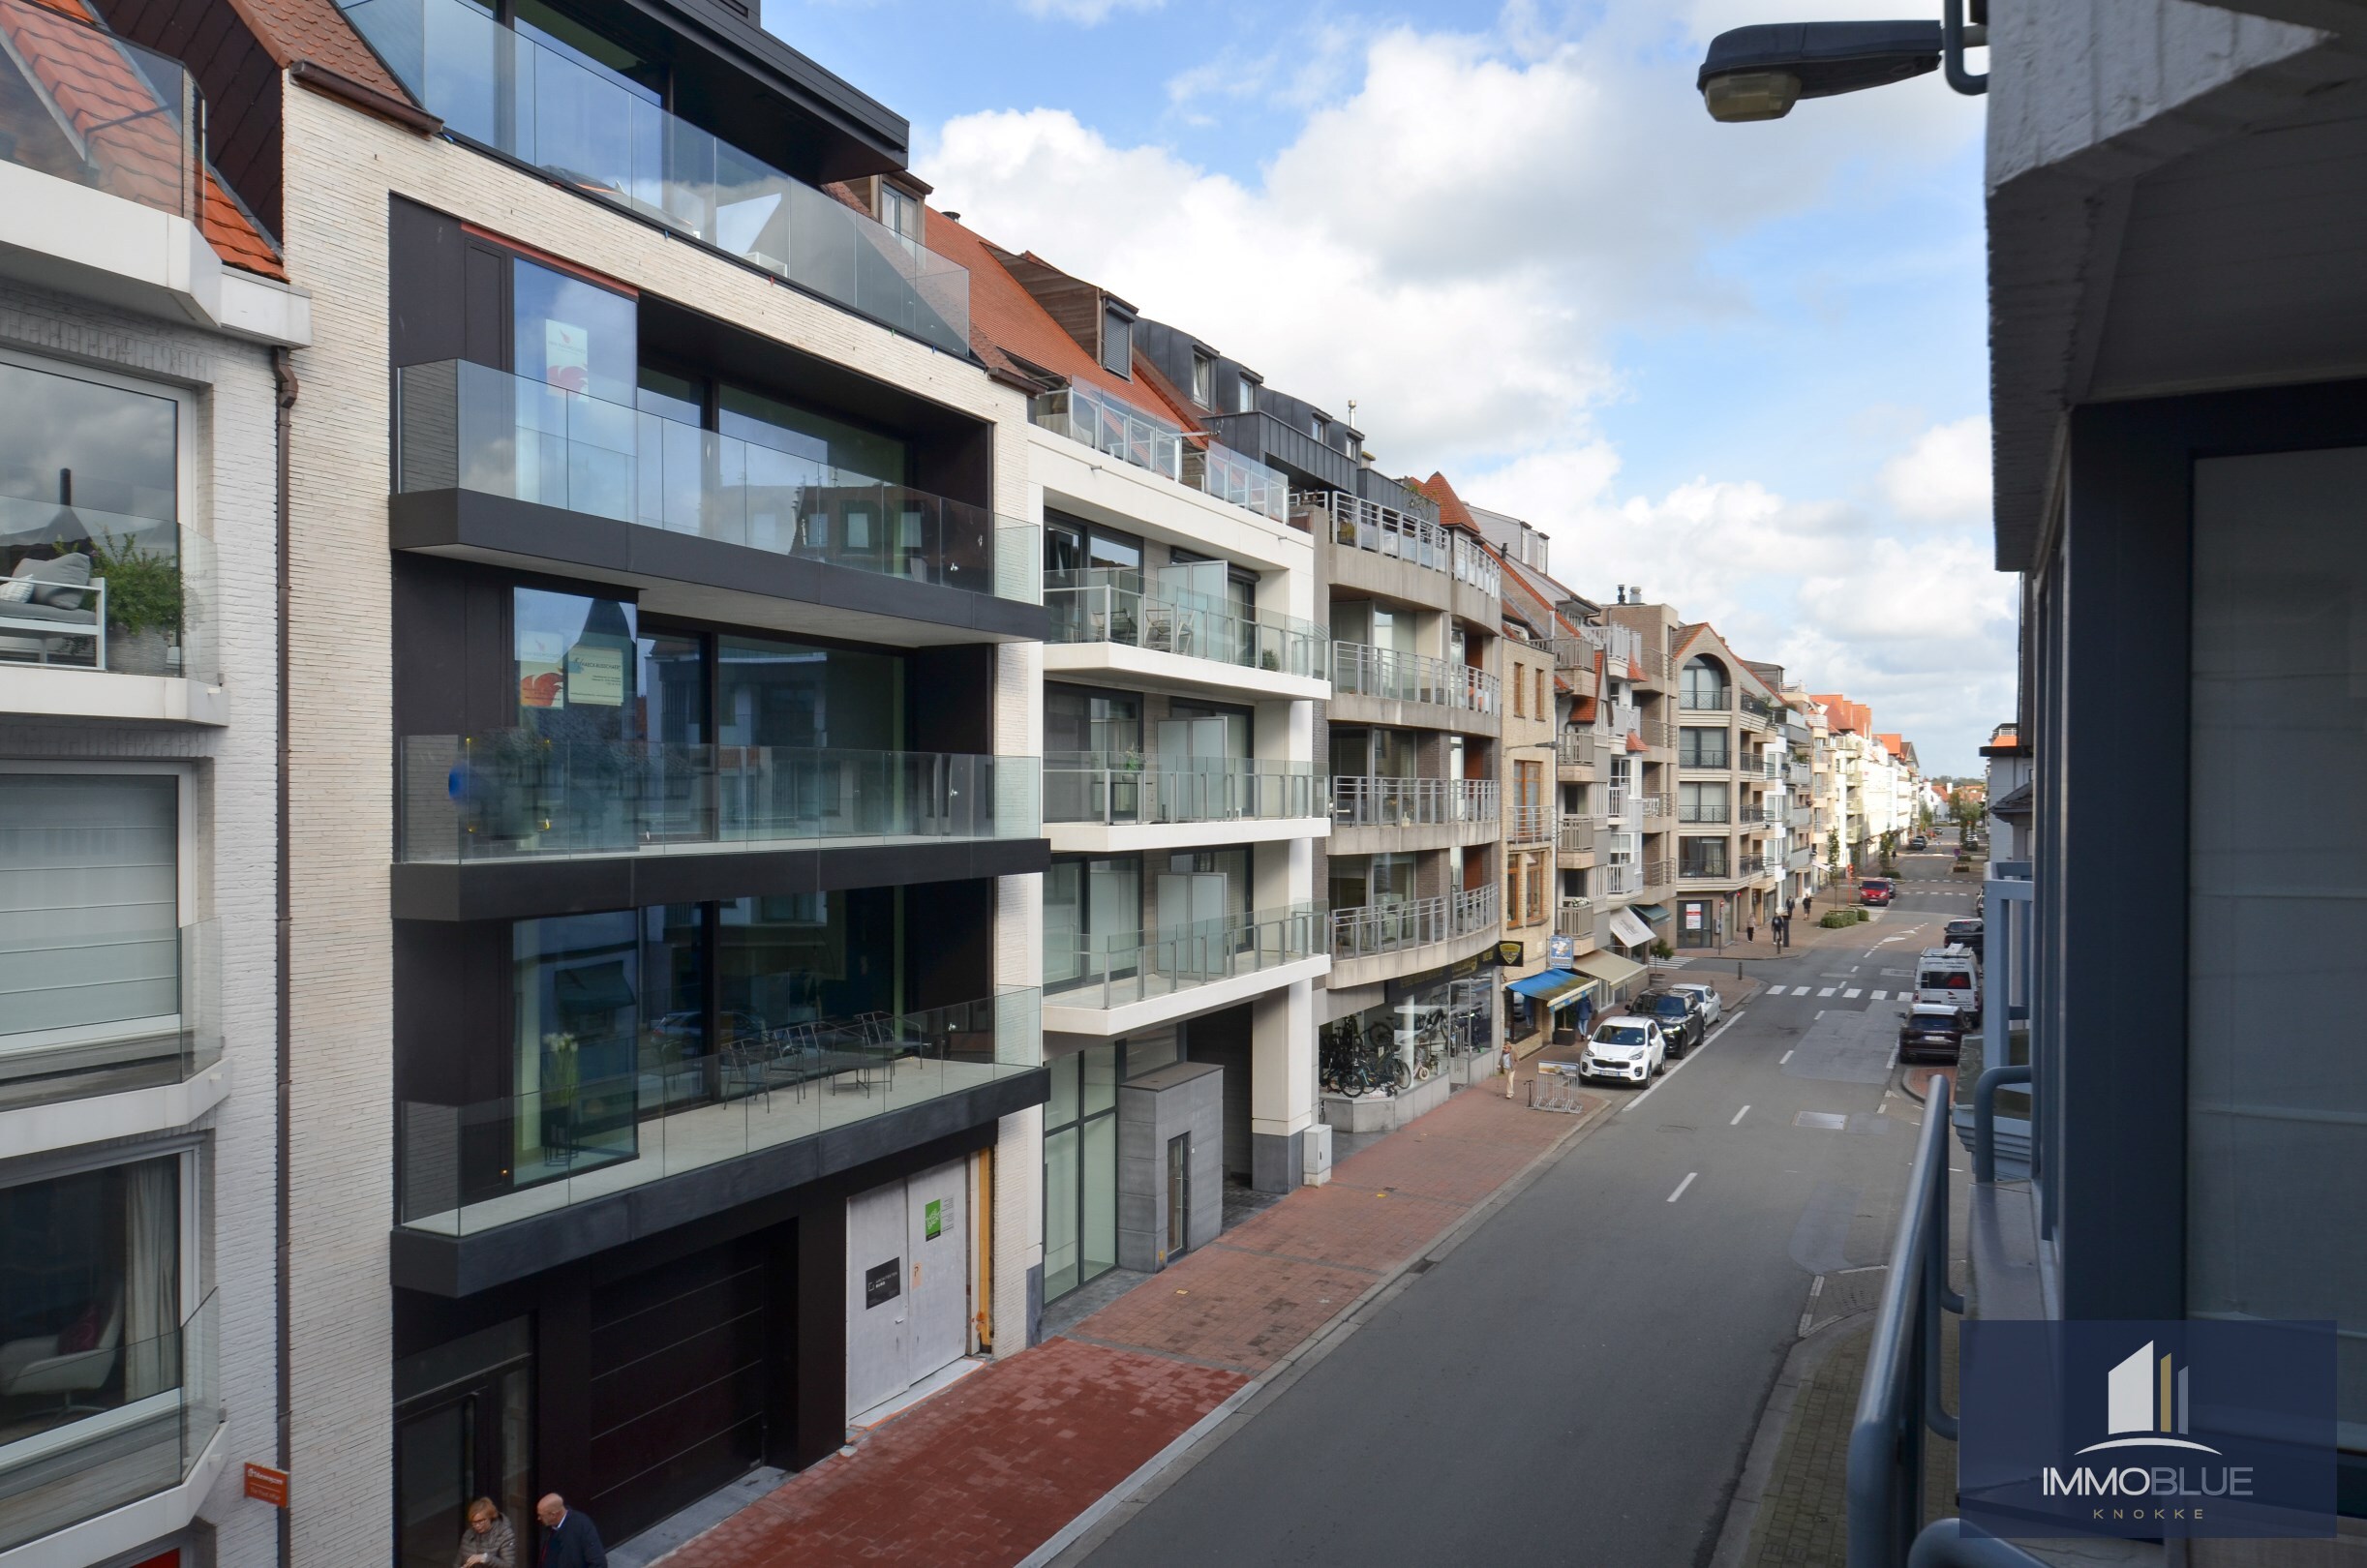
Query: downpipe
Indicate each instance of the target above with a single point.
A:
(284, 400)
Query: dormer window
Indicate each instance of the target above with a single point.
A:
(1117, 343)
(1203, 381)
(1322, 427)
(901, 211)
(1246, 397)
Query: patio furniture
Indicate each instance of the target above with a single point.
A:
(62, 604)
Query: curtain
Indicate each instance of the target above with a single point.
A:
(151, 1279)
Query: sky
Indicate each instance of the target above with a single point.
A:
(1741, 366)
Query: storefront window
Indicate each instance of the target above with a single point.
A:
(90, 1299)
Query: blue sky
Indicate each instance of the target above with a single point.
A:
(1743, 366)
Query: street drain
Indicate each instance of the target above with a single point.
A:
(1421, 1265)
(1826, 1120)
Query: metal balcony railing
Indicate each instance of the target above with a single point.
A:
(1411, 802)
(1125, 791)
(1702, 811)
(465, 426)
(514, 794)
(1097, 970)
(601, 137)
(1356, 523)
(1359, 668)
(1574, 748)
(1656, 871)
(1621, 720)
(1719, 761)
(1703, 869)
(471, 1166)
(1697, 701)
(1575, 918)
(1417, 922)
(1104, 605)
(1618, 880)
(1528, 824)
(1577, 835)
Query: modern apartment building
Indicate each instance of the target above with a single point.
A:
(1184, 941)
(144, 316)
(664, 632)
(1731, 819)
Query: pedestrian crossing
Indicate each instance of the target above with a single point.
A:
(1846, 994)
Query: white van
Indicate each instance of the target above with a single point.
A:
(1950, 977)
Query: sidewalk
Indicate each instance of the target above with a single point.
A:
(988, 1470)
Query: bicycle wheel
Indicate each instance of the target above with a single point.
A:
(1401, 1076)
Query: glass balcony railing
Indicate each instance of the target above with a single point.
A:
(81, 104)
(1359, 668)
(1134, 790)
(1084, 969)
(1104, 605)
(1087, 415)
(512, 794)
(468, 1168)
(102, 1428)
(113, 592)
(84, 1014)
(466, 425)
(1356, 523)
(1364, 801)
(597, 136)
(1417, 922)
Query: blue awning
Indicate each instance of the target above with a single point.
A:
(1555, 987)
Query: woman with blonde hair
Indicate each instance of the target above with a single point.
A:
(488, 1542)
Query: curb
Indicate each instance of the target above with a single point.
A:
(1800, 1369)
(1116, 1507)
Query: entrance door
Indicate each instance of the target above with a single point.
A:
(908, 1283)
(460, 1445)
(937, 1221)
(1179, 1194)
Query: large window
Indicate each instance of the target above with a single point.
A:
(1080, 1152)
(1702, 749)
(91, 1303)
(1092, 913)
(1702, 683)
(1702, 802)
(90, 944)
(1702, 857)
(2277, 1114)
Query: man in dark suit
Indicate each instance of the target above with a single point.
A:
(568, 1540)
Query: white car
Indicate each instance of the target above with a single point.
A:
(1711, 1008)
(1624, 1049)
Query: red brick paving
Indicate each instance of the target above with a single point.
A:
(986, 1471)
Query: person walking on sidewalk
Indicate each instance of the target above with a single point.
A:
(1509, 1062)
(568, 1540)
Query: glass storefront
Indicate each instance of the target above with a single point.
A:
(1080, 1157)
(1438, 1026)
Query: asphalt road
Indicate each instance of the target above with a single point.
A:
(1578, 1379)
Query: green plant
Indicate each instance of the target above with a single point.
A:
(1661, 950)
(1832, 919)
(143, 587)
(1270, 660)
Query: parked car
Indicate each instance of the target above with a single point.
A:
(1712, 1006)
(1873, 890)
(1932, 1032)
(1918, 842)
(1680, 1018)
(1949, 978)
(1627, 1048)
(1966, 934)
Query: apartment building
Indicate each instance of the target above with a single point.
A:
(1184, 943)
(1730, 806)
(1864, 799)
(665, 856)
(144, 318)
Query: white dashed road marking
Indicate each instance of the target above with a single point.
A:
(1852, 994)
(1882, 996)
(1683, 1184)
(1738, 1115)
(1785, 1057)
(1826, 992)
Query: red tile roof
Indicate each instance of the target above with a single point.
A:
(316, 30)
(109, 106)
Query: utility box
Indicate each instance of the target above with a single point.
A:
(1171, 1163)
(1317, 1142)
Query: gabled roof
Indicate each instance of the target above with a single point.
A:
(317, 32)
(107, 108)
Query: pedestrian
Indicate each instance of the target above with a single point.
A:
(1791, 909)
(568, 1540)
(1807, 905)
(1750, 930)
(488, 1542)
(1509, 1062)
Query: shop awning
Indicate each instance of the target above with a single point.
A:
(1609, 968)
(1555, 987)
(1630, 932)
(1650, 912)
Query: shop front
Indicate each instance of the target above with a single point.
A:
(1560, 1001)
(1388, 1062)
(1701, 923)
(1080, 1150)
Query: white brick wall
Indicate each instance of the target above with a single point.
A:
(341, 168)
(233, 809)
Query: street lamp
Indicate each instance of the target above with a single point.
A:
(1758, 72)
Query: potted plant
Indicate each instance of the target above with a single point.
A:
(145, 604)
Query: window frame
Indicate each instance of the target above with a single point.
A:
(187, 403)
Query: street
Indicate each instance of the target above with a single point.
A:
(1579, 1378)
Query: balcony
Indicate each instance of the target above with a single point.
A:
(1090, 971)
(1091, 418)
(1618, 881)
(1129, 610)
(1703, 870)
(1417, 923)
(601, 138)
(1528, 824)
(1619, 645)
(114, 594)
(1576, 837)
(1411, 802)
(1658, 872)
(1360, 669)
(1135, 790)
(469, 1169)
(1757, 712)
(680, 491)
(1719, 700)
(1705, 761)
(1353, 522)
(1705, 812)
(1575, 918)
(128, 1012)
(135, 1417)
(1621, 720)
(1574, 748)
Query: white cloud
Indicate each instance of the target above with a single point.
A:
(1088, 12)
(1944, 475)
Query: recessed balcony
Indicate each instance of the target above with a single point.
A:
(600, 137)
(1101, 983)
(1371, 814)
(1376, 929)
(124, 1021)
(1094, 803)
(1091, 418)
(1385, 675)
(1353, 522)
(501, 468)
(1529, 824)
(1107, 620)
